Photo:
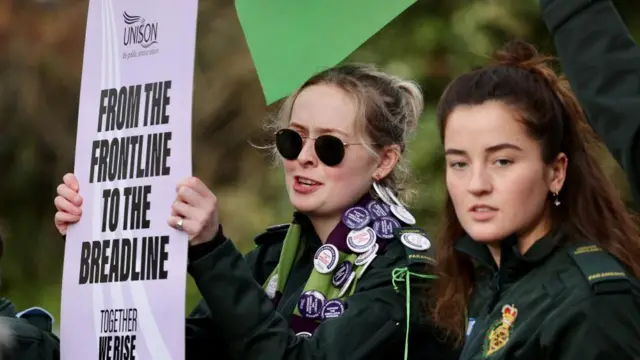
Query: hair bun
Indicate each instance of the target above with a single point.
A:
(516, 53)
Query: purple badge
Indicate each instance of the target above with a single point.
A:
(332, 309)
(342, 274)
(384, 227)
(310, 304)
(377, 209)
(356, 218)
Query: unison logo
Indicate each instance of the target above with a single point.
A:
(139, 32)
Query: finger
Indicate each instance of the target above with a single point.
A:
(191, 197)
(71, 181)
(188, 226)
(184, 210)
(64, 205)
(63, 218)
(197, 185)
(69, 194)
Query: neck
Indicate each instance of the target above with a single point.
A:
(526, 239)
(324, 226)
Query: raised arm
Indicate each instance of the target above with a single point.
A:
(602, 63)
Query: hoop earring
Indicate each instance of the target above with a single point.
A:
(556, 202)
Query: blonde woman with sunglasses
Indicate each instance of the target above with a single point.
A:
(334, 283)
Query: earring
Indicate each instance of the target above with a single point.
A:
(556, 202)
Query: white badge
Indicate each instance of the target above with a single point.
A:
(366, 265)
(272, 286)
(346, 285)
(304, 334)
(326, 258)
(382, 193)
(415, 241)
(364, 258)
(360, 241)
(393, 197)
(403, 214)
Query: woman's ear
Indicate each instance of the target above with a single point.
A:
(557, 173)
(389, 157)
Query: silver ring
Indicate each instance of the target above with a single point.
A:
(179, 224)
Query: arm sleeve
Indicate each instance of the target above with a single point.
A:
(373, 318)
(601, 327)
(602, 63)
(200, 333)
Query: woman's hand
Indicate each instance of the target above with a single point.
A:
(68, 203)
(195, 211)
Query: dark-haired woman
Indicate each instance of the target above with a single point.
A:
(538, 250)
(602, 63)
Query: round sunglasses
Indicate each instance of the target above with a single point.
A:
(329, 149)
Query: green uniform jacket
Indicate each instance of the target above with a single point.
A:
(556, 302)
(30, 335)
(602, 63)
(236, 319)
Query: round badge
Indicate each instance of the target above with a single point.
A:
(359, 241)
(377, 209)
(272, 286)
(393, 197)
(384, 227)
(311, 303)
(364, 258)
(382, 193)
(341, 274)
(304, 334)
(332, 309)
(366, 265)
(415, 241)
(356, 218)
(403, 214)
(346, 285)
(326, 258)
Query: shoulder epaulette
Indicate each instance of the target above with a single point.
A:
(414, 256)
(272, 234)
(601, 269)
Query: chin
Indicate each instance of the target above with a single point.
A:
(305, 204)
(487, 233)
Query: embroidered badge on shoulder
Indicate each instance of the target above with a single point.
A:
(499, 333)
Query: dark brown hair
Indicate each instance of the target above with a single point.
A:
(590, 206)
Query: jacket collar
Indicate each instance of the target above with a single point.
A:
(513, 264)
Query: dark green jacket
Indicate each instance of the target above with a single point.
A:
(28, 337)
(602, 63)
(236, 319)
(556, 302)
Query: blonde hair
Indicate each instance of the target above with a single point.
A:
(388, 109)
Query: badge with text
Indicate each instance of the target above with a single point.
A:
(326, 258)
(356, 218)
(310, 304)
(332, 309)
(415, 241)
(359, 241)
(342, 274)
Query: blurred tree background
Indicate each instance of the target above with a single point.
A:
(41, 47)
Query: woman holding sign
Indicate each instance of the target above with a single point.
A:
(539, 251)
(336, 282)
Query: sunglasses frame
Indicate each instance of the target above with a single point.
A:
(345, 145)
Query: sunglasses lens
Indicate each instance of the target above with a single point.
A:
(330, 150)
(288, 143)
